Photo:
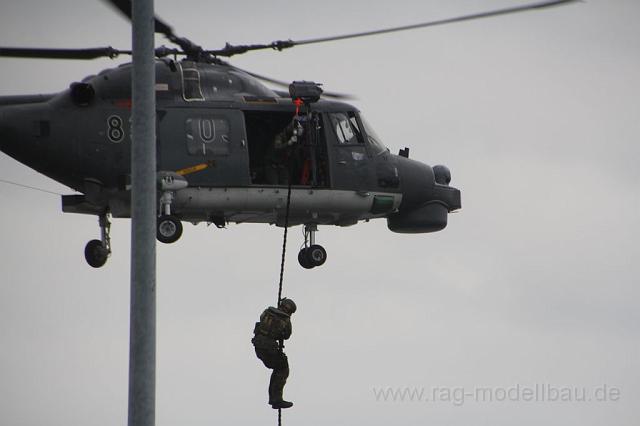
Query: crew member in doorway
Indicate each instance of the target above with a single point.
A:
(269, 333)
(283, 155)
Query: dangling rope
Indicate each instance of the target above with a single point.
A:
(298, 103)
(284, 239)
(284, 252)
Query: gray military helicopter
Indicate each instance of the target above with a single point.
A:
(228, 147)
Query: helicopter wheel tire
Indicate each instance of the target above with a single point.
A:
(169, 229)
(316, 255)
(95, 253)
(303, 259)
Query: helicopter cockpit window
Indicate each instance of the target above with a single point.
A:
(377, 147)
(208, 136)
(346, 128)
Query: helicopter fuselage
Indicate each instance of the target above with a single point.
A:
(216, 159)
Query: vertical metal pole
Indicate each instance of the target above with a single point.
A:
(142, 349)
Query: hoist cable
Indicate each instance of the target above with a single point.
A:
(29, 187)
(282, 261)
(284, 239)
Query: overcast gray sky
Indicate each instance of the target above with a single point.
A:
(533, 283)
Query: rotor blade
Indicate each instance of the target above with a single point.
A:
(161, 27)
(230, 50)
(124, 6)
(498, 12)
(93, 53)
(261, 77)
(334, 95)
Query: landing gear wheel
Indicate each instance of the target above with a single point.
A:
(95, 253)
(313, 255)
(316, 255)
(169, 229)
(303, 260)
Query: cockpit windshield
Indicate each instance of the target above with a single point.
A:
(346, 128)
(377, 147)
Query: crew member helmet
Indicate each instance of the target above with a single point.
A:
(288, 306)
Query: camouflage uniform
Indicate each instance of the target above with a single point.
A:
(282, 157)
(274, 326)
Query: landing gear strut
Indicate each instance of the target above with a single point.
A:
(311, 255)
(96, 252)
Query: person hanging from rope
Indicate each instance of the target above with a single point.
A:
(273, 328)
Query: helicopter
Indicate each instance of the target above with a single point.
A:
(229, 148)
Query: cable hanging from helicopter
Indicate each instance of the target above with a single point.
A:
(275, 326)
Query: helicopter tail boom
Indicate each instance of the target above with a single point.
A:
(24, 99)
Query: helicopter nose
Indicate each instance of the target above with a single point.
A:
(8, 136)
(3, 132)
(427, 198)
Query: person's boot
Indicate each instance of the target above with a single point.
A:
(275, 397)
(276, 385)
(276, 401)
(276, 405)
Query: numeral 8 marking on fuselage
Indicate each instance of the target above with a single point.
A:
(115, 132)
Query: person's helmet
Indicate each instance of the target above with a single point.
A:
(288, 306)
